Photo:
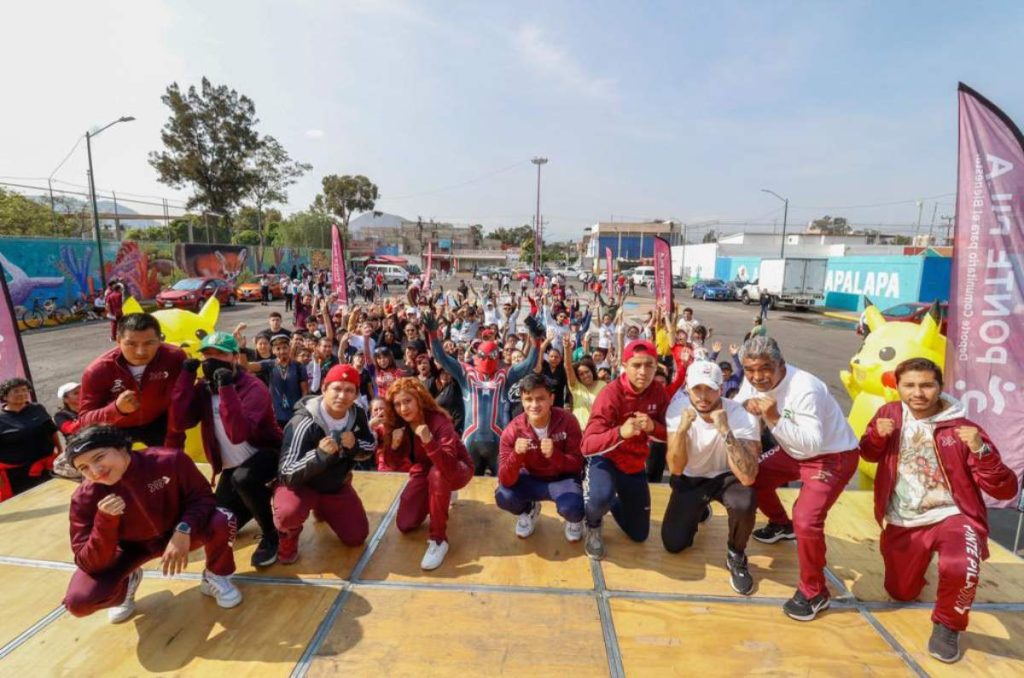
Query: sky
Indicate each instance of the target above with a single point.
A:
(671, 110)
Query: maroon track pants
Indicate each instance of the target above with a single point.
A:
(429, 492)
(823, 478)
(342, 510)
(907, 552)
(88, 593)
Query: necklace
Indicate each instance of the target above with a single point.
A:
(283, 369)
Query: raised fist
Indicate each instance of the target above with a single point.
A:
(720, 420)
(535, 327)
(222, 376)
(885, 427)
(629, 429)
(522, 445)
(687, 418)
(423, 433)
(112, 505)
(327, 445)
(971, 436)
(190, 365)
(348, 440)
(547, 447)
(127, 402)
(396, 438)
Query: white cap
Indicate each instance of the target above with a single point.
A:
(67, 388)
(704, 372)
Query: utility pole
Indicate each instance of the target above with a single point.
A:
(537, 238)
(785, 219)
(931, 226)
(92, 191)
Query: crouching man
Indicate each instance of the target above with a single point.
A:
(933, 464)
(322, 443)
(540, 458)
(136, 506)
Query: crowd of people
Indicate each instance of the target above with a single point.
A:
(556, 392)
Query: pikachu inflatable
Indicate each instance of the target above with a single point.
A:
(871, 379)
(185, 330)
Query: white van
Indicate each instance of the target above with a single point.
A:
(391, 272)
(643, 275)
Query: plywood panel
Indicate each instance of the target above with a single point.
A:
(27, 595)
(179, 631)
(439, 633)
(630, 566)
(663, 638)
(484, 548)
(991, 645)
(35, 524)
(321, 553)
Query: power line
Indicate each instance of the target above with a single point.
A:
(57, 169)
(459, 185)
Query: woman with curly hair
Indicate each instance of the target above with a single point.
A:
(420, 431)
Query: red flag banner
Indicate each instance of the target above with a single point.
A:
(339, 279)
(663, 274)
(609, 282)
(430, 266)
(13, 361)
(985, 352)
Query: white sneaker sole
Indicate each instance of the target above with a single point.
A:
(814, 612)
(226, 603)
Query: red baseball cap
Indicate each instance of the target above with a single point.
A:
(639, 346)
(342, 373)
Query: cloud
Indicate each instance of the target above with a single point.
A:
(556, 62)
(314, 134)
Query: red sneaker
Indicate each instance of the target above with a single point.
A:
(287, 548)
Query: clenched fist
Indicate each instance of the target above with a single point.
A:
(522, 445)
(348, 440)
(127, 402)
(424, 433)
(327, 445)
(396, 438)
(686, 419)
(629, 429)
(720, 420)
(971, 437)
(547, 447)
(885, 427)
(643, 422)
(112, 505)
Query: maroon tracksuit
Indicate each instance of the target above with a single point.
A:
(617, 402)
(438, 468)
(565, 461)
(108, 375)
(114, 310)
(960, 540)
(161, 488)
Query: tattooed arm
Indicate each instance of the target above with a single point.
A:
(742, 454)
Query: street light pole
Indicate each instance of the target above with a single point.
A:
(92, 191)
(538, 161)
(785, 217)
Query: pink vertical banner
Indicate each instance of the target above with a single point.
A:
(339, 279)
(985, 352)
(609, 282)
(13, 360)
(663, 274)
(430, 266)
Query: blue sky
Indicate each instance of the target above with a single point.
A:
(671, 110)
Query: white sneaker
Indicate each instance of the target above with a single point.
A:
(573, 531)
(526, 523)
(220, 588)
(120, 613)
(436, 551)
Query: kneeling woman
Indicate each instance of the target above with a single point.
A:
(419, 430)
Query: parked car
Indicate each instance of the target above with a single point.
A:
(911, 312)
(521, 274)
(191, 293)
(483, 271)
(678, 282)
(736, 288)
(250, 291)
(643, 275)
(713, 289)
(392, 273)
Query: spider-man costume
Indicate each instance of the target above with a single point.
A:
(485, 386)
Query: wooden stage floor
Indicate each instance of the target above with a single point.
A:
(499, 605)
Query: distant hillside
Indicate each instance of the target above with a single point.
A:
(375, 219)
(104, 206)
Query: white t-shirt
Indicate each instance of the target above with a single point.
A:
(706, 453)
(336, 424)
(542, 433)
(811, 422)
(231, 455)
(137, 371)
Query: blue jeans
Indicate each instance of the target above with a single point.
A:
(626, 495)
(567, 494)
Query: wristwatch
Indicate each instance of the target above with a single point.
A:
(983, 450)
(183, 527)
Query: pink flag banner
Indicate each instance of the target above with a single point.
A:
(609, 280)
(985, 351)
(663, 274)
(430, 266)
(339, 279)
(13, 361)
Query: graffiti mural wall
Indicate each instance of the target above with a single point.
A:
(65, 272)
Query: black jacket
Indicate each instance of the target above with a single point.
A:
(303, 464)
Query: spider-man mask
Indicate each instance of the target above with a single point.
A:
(485, 358)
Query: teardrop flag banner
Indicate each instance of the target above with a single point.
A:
(13, 361)
(663, 274)
(338, 275)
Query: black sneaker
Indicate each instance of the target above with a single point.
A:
(265, 554)
(739, 575)
(593, 544)
(944, 644)
(706, 516)
(801, 609)
(771, 533)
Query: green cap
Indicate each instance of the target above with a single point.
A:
(222, 341)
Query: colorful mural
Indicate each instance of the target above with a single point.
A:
(54, 273)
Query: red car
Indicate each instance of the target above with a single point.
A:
(191, 293)
(910, 312)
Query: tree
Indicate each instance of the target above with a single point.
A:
(304, 229)
(710, 236)
(272, 172)
(209, 142)
(23, 216)
(478, 234)
(343, 196)
(248, 237)
(512, 236)
(828, 225)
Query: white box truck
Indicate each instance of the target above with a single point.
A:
(793, 281)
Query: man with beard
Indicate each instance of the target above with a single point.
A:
(713, 448)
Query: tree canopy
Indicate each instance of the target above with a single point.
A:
(24, 216)
(345, 195)
(512, 236)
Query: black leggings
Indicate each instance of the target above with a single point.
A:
(245, 490)
(690, 496)
(485, 456)
(655, 462)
